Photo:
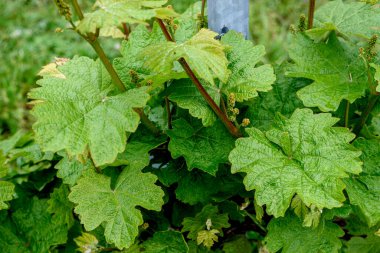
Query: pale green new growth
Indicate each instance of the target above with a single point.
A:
(288, 235)
(110, 14)
(98, 203)
(78, 113)
(304, 155)
(246, 79)
(348, 19)
(337, 71)
(204, 54)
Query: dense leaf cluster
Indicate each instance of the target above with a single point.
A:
(149, 166)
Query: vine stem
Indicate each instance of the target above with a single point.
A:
(223, 117)
(93, 41)
(311, 14)
(168, 111)
(363, 119)
(203, 13)
(253, 218)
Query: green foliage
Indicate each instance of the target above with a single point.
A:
(97, 202)
(302, 155)
(127, 155)
(70, 106)
(289, 235)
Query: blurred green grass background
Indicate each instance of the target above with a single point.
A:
(28, 41)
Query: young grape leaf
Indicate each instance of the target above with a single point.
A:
(36, 225)
(288, 235)
(60, 206)
(187, 96)
(207, 237)
(246, 79)
(203, 148)
(337, 71)
(166, 242)
(6, 188)
(204, 54)
(188, 23)
(364, 190)
(109, 14)
(209, 214)
(87, 243)
(77, 113)
(132, 68)
(370, 244)
(98, 203)
(358, 19)
(303, 155)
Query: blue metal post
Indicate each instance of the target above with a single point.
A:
(233, 14)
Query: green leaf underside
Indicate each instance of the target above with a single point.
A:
(97, 203)
(349, 19)
(203, 148)
(288, 235)
(37, 227)
(198, 223)
(166, 242)
(246, 79)
(338, 72)
(131, 49)
(304, 155)
(364, 190)
(110, 14)
(204, 54)
(76, 113)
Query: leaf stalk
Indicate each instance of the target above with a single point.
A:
(311, 14)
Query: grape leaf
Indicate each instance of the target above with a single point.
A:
(87, 243)
(130, 62)
(78, 114)
(364, 190)
(35, 223)
(188, 23)
(246, 79)
(98, 203)
(358, 19)
(207, 237)
(209, 213)
(203, 148)
(289, 235)
(166, 242)
(370, 244)
(6, 188)
(204, 54)
(338, 72)
(281, 99)
(60, 206)
(71, 169)
(109, 14)
(304, 155)
(10, 242)
(187, 96)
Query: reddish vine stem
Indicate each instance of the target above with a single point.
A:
(223, 117)
(311, 14)
(126, 30)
